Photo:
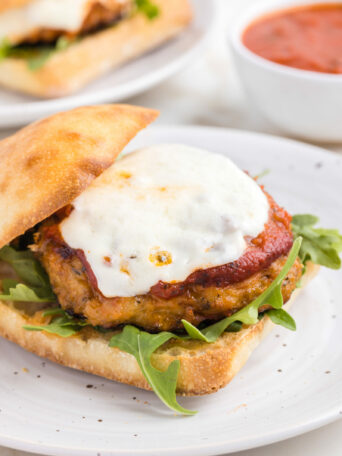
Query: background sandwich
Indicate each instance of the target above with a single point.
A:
(51, 48)
(163, 270)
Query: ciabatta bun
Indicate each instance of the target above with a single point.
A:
(11, 4)
(204, 368)
(71, 69)
(47, 164)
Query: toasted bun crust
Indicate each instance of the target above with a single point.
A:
(204, 367)
(47, 164)
(11, 4)
(69, 70)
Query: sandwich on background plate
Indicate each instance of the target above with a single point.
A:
(52, 48)
(162, 269)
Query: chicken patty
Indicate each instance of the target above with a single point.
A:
(70, 283)
(100, 13)
(206, 295)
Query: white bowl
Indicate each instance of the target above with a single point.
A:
(302, 103)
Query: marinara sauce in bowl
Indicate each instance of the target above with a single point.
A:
(306, 37)
(289, 57)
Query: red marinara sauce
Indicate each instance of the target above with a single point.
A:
(307, 37)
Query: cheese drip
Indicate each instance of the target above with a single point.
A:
(161, 213)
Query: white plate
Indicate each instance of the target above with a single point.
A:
(134, 77)
(291, 384)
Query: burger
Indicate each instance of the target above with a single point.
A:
(162, 268)
(52, 48)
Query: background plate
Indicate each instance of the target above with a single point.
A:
(130, 79)
(291, 384)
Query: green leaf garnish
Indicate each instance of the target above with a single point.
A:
(36, 286)
(25, 265)
(141, 345)
(62, 331)
(37, 62)
(262, 173)
(55, 311)
(20, 292)
(36, 56)
(249, 314)
(281, 317)
(63, 43)
(321, 246)
(5, 48)
(315, 244)
(148, 8)
(62, 324)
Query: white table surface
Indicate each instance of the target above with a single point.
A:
(208, 92)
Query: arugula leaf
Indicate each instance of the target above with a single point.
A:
(148, 8)
(5, 47)
(249, 314)
(62, 331)
(62, 324)
(321, 246)
(36, 286)
(26, 266)
(20, 292)
(302, 220)
(55, 311)
(37, 62)
(141, 345)
(236, 326)
(36, 56)
(281, 317)
(262, 173)
(63, 43)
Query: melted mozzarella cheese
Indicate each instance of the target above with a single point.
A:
(65, 15)
(161, 213)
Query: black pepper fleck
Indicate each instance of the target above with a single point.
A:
(89, 386)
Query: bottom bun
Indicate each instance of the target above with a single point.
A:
(204, 368)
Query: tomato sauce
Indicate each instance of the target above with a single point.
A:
(307, 37)
(274, 241)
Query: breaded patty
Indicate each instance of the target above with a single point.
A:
(100, 13)
(70, 282)
(207, 294)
